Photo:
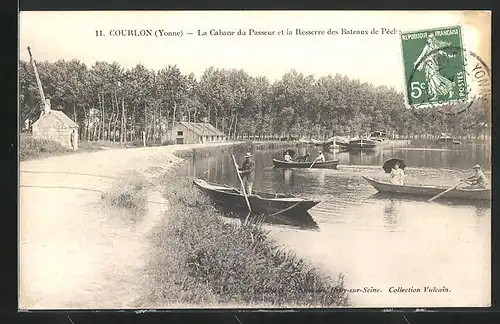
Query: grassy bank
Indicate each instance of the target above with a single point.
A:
(202, 260)
(235, 148)
(33, 148)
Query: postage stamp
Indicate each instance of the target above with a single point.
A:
(434, 66)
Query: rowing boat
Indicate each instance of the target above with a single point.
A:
(261, 203)
(429, 191)
(332, 164)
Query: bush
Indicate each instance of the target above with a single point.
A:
(201, 259)
(130, 194)
(31, 147)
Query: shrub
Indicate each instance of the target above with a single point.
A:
(31, 147)
(129, 193)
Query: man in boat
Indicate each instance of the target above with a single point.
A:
(247, 172)
(397, 175)
(288, 158)
(478, 180)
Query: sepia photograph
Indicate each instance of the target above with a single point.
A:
(254, 159)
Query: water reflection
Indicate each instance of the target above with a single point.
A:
(395, 236)
(302, 221)
(392, 214)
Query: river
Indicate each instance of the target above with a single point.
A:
(378, 241)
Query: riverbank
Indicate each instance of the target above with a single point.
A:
(201, 260)
(90, 237)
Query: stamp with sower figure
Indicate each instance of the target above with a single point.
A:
(440, 72)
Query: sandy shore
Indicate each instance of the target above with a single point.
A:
(72, 252)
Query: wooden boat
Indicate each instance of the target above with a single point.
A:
(342, 142)
(362, 144)
(261, 203)
(429, 191)
(328, 142)
(332, 164)
(445, 138)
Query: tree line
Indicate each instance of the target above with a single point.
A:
(110, 102)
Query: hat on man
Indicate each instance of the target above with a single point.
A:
(477, 166)
(248, 155)
(319, 151)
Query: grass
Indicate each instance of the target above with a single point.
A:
(33, 148)
(202, 260)
(130, 195)
(240, 148)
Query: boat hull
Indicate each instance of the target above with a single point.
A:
(260, 203)
(362, 144)
(306, 165)
(429, 191)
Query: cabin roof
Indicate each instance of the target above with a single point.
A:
(59, 115)
(205, 129)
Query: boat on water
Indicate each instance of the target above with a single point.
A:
(445, 138)
(362, 144)
(328, 142)
(332, 164)
(429, 191)
(261, 203)
(370, 142)
(341, 141)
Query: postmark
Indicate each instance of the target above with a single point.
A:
(440, 72)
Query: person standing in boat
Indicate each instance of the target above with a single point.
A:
(397, 175)
(247, 172)
(478, 180)
(288, 158)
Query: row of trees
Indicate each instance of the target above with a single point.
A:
(113, 103)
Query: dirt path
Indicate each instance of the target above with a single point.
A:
(72, 254)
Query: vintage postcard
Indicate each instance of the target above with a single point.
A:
(254, 159)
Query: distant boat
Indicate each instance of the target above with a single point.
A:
(445, 138)
(429, 191)
(342, 141)
(327, 142)
(372, 141)
(379, 137)
(332, 164)
(362, 144)
(261, 203)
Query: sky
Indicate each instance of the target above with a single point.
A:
(371, 58)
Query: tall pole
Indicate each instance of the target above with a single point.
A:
(40, 89)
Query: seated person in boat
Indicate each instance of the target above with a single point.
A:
(478, 180)
(397, 175)
(247, 172)
(288, 158)
(320, 157)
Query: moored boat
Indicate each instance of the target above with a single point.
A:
(445, 138)
(361, 144)
(341, 142)
(429, 191)
(332, 164)
(261, 203)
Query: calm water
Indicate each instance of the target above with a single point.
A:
(379, 241)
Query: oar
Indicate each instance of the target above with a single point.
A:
(442, 193)
(242, 185)
(316, 159)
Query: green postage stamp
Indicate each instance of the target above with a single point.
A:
(434, 66)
